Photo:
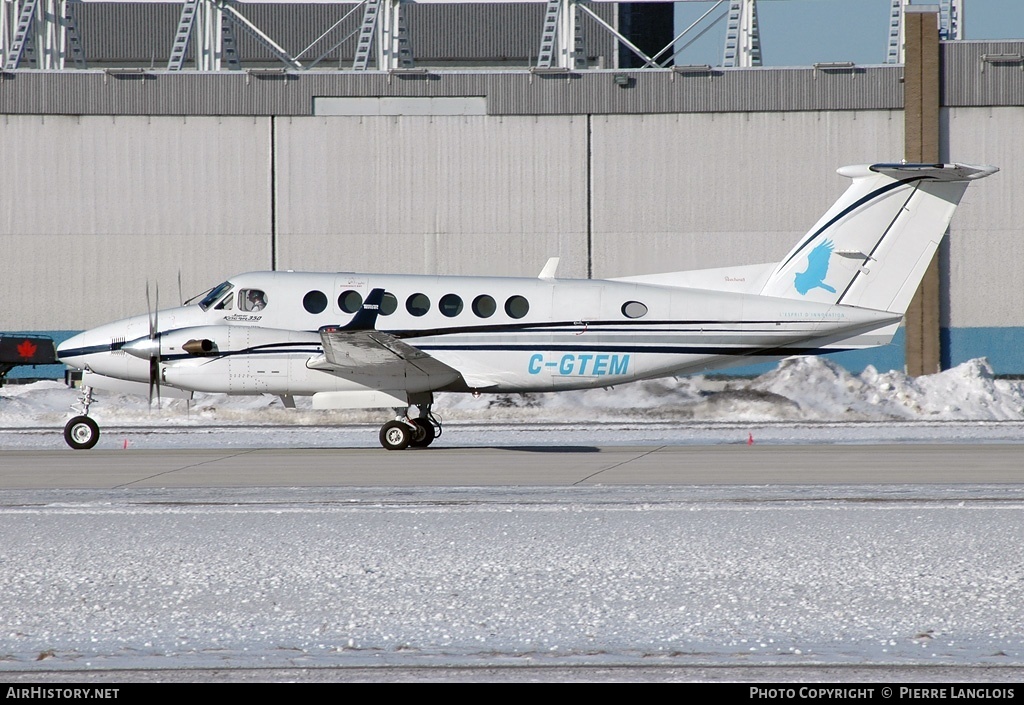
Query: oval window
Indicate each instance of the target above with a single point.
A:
(634, 309)
(389, 304)
(350, 301)
(417, 304)
(517, 306)
(315, 301)
(450, 305)
(484, 306)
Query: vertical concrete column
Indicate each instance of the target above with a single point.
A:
(921, 144)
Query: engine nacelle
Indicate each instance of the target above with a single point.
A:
(206, 341)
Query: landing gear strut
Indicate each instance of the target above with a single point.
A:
(405, 432)
(81, 432)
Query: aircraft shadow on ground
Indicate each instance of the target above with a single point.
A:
(550, 449)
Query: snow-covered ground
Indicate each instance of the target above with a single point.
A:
(804, 400)
(645, 577)
(799, 390)
(688, 576)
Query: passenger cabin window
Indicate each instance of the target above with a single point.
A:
(389, 304)
(517, 306)
(634, 309)
(417, 304)
(350, 301)
(450, 305)
(484, 306)
(314, 301)
(252, 300)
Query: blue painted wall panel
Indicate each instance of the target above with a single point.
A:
(1004, 347)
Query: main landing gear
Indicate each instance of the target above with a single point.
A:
(405, 432)
(81, 432)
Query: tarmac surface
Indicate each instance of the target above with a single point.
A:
(80, 495)
(540, 466)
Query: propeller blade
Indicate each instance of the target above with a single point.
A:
(153, 311)
(154, 333)
(149, 315)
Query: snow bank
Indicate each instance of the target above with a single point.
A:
(799, 389)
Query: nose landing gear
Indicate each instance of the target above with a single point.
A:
(81, 432)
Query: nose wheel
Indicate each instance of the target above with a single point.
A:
(81, 433)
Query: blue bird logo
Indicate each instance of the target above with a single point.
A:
(817, 270)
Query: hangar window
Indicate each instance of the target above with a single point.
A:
(484, 306)
(417, 304)
(389, 304)
(315, 301)
(450, 305)
(350, 301)
(634, 309)
(517, 306)
(252, 300)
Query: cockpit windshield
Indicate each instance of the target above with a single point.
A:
(215, 295)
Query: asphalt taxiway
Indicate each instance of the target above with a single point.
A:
(539, 466)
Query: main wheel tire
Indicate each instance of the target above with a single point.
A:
(81, 433)
(426, 433)
(395, 435)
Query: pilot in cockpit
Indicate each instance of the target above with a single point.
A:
(255, 300)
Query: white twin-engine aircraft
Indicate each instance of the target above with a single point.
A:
(391, 341)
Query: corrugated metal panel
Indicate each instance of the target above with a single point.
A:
(721, 90)
(118, 33)
(120, 200)
(691, 191)
(969, 80)
(507, 93)
(986, 250)
(102, 205)
(141, 34)
(432, 194)
(501, 33)
(507, 33)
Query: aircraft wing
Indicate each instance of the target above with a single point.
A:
(358, 349)
(378, 354)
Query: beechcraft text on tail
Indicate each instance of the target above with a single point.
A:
(392, 341)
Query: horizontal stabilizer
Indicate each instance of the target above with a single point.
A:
(935, 172)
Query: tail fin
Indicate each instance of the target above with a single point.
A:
(873, 245)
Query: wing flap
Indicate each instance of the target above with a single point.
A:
(379, 354)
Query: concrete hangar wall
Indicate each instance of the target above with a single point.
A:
(115, 180)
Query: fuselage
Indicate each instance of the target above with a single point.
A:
(262, 332)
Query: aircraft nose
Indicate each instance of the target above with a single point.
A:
(71, 349)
